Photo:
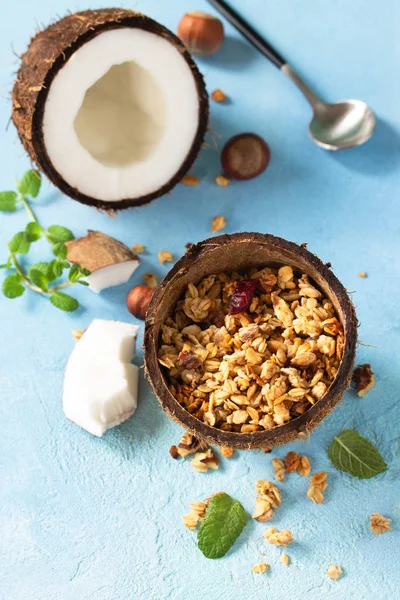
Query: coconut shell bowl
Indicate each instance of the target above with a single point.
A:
(239, 252)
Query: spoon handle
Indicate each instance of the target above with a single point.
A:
(249, 33)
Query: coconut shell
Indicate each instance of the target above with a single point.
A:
(97, 250)
(48, 52)
(237, 252)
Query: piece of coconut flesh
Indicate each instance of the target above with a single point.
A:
(100, 385)
(130, 114)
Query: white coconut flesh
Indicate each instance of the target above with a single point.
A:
(111, 276)
(121, 116)
(100, 385)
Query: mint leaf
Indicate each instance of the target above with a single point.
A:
(33, 231)
(60, 250)
(76, 272)
(38, 278)
(222, 525)
(82, 282)
(30, 184)
(7, 264)
(8, 201)
(12, 286)
(63, 301)
(354, 454)
(55, 269)
(57, 233)
(19, 243)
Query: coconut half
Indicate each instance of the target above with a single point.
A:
(109, 261)
(111, 107)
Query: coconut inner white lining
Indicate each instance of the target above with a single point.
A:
(121, 115)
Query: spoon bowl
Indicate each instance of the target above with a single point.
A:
(346, 124)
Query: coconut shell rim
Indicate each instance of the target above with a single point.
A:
(129, 19)
(281, 434)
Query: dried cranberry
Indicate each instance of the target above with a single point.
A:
(242, 296)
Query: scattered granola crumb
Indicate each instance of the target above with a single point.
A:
(260, 567)
(227, 451)
(77, 334)
(268, 491)
(218, 223)
(279, 468)
(190, 180)
(174, 452)
(138, 248)
(318, 484)
(363, 379)
(304, 467)
(199, 508)
(362, 274)
(292, 461)
(164, 256)
(151, 280)
(189, 444)
(285, 559)
(203, 461)
(334, 572)
(379, 524)
(222, 181)
(279, 538)
(219, 96)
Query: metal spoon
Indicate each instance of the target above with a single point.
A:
(337, 126)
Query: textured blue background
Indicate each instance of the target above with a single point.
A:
(84, 518)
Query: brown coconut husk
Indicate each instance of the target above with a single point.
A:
(48, 52)
(97, 250)
(238, 252)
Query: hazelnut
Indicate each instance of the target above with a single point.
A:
(245, 156)
(201, 33)
(138, 300)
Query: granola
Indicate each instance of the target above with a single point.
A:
(138, 248)
(279, 538)
(151, 280)
(318, 484)
(379, 524)
(261, 367)
(260, 568)
(218, 223)
(279, 469)
(227, 451)
(268, 499)
(285, 559)
(165, 256)
(334, 572)
(203, 461)
(363, 379)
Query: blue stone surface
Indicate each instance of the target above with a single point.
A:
(100, 519)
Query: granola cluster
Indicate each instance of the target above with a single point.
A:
(261, 367)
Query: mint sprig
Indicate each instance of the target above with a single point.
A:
(222, 525)
(354, 454)
(38, 276)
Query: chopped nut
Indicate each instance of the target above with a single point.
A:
(218, 223)
(199, 508)
(77, 334)
(279, 468)
(292, 461)
(318, 484)
(304, 467)
(222, 181)
(190, 180)
(379, 524)
(260, 567)
(264, 512)
(219, 96)
(362, 274)
(364, 379)
(174, 452)
(189, 444)
(164, 256)
(268, 491)
(227, 451)
(203, 461)
(150, 280)
(285, 559)
(279, 538)
(334, 572)
(138, 248)
(191, 520)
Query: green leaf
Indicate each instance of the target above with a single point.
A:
(38, 278)
(55, 269)
(64, 301)
(222, 525)
(33, 231)
(354, 454)
(30, 184)
(57, 233)
(19, 243)
(12, 286)
(8, 201)
(60, 250)
(81, 282)
(7, 264)
(74, 272)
